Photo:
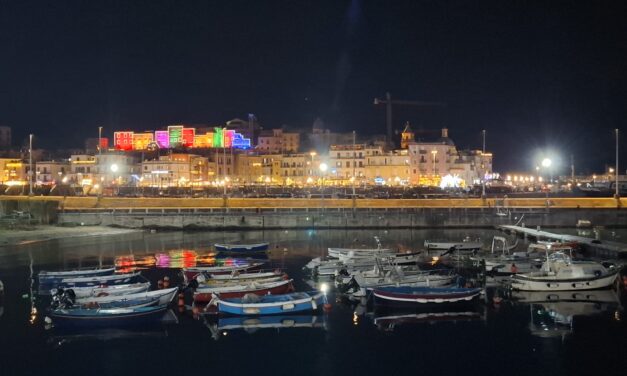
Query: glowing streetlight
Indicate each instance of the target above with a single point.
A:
(546, 163)
(114, 168)
(323, 167)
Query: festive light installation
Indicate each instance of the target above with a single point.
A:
(178, 135)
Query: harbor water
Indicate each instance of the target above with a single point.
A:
(514, 334)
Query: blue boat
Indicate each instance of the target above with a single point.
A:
(242, 248)
(107, 280)
(252, 304)
(107, 317)
(53, 278)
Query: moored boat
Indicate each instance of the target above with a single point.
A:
(465, 245)
(107, 317)
(205, 294)
(163, 297)
(560, 273)
(191, 273)
(54, 277)
(242, 248)
(94, 291)
(251, 304)
(424, 295)
(115, 279)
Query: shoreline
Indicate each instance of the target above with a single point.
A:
(42, 233)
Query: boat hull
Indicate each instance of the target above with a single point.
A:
(298, 302)
(107, 318)
(120, 279)
(53, 278)
(205, 295)
(191, 273)
(527, 283)
(242, 248)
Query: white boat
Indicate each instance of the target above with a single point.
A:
(560, 273)
(164, 297)
(91, 291)
(349, 266)
(466, 245)
(359, 252)
(502, 261)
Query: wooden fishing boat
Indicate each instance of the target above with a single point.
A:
(107, 317)
(270, 304)
(163, 297)
(191, 273)
(560, 273)
(54, 277)
(84, 292)
(242, 248)
(466, 245)
(205, 294)
(239, 278)
(115, 279)
(424, 295)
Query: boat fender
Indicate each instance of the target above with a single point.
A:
(166, 282)
(314, 305)
(181, 302)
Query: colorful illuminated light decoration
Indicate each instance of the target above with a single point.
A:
(104, 143)
(177, 135)
(163, 139)
(187, 137)
(123, 140)
(142, 140)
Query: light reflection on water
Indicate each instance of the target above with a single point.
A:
(485, 338)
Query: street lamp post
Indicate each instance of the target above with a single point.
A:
(617, 193)
(323, 170)
(483, 166)
(30, 164)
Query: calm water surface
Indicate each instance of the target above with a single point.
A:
(513, 338)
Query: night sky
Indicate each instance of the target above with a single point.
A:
(545, 75)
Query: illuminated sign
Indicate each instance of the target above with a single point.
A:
(123, 140)
(104, 143)
(240, 142)
(163, 139)
(218, 138)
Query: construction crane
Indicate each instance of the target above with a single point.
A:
(388, 102)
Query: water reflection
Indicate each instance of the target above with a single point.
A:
(389, 321)
(553, 314)
(59, 339)
(220, 327)
(172, 259)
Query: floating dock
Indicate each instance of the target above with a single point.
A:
(601, 248)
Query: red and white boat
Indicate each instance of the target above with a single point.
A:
(204, 294)
(191, 273)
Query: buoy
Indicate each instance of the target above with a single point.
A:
(166, 282)
(327, 307)
(181, 300)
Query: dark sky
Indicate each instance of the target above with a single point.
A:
(545, 75)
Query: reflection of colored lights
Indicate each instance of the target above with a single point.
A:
(129, 263)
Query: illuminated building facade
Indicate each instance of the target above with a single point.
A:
(175, 170)
(13, 171)
(180, 136)
(52, 172)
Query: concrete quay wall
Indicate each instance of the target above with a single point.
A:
(341, 218)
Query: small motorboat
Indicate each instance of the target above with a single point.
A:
(242, 248)
(107, 317)
(99, 291)
(191, 273)
(252, 304)
(424, 295)
(205, 294)
(115, 279)
(560, 273)
(51, 277)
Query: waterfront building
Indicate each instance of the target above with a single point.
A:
(249, 168)
(174, 170)
(277, 141)
(348, 161)
(391, 168)
(13, 171)
(82, 170)
(429, 161)
(295, 169)
(52, 172)
(407, 136)
(116, 169)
